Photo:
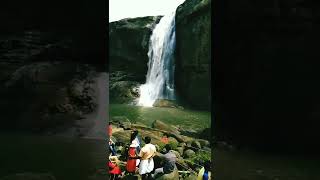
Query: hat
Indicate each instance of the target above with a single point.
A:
(134, 143)
(113, 159)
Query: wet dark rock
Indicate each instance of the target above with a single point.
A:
(128, 42)
(123, 91)
(204, 143)
(196, 144)
(206, 134)
(188, 153)
(193, 49)
(165, 103)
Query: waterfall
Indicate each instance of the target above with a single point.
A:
(160, 77)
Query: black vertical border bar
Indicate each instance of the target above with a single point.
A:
(218, 24)
(211, 86)
(106, 24)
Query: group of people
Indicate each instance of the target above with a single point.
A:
(140, 159)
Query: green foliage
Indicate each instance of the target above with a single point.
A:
(200, 157)
(173, 144)
(161, 146)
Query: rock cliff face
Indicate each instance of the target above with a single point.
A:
(128, 56)
(129, 44)
(193, 50)
(266, 69)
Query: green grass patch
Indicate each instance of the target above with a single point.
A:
(187, 119)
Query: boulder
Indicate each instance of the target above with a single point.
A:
(123, 91)
(207, 149)
(165, 103)
(183, 144)
(178, 155)
(204, 143)
(157, 124)
(173, 142)
(206, 134)
(196, 144)
(172, 176)
(119, 119)
(188, 153)
(125, 125)
(191, 177)
(122, 136)
(132, 177)
(180, 150)
(182, 164)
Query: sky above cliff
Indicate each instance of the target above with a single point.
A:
(120, 9)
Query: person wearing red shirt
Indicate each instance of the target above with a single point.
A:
(165, 139)
(114, 170)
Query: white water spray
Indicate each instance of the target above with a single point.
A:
(160, 77)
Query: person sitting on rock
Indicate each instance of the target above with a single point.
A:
(114, 169)
(112, 147)
(205, 173)
(146, 155)
(169, 164)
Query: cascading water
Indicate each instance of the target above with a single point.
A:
(160, 77)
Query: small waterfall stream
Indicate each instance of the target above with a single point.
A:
(160, 77)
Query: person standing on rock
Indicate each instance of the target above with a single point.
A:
(132, 161)
(112, 147)
(135, 139)
(170, 162)
(109, 130)
(146, 155)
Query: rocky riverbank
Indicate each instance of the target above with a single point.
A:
(190, 150)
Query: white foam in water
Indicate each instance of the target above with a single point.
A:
(160, 77)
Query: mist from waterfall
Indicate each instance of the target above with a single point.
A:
(160, 77)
